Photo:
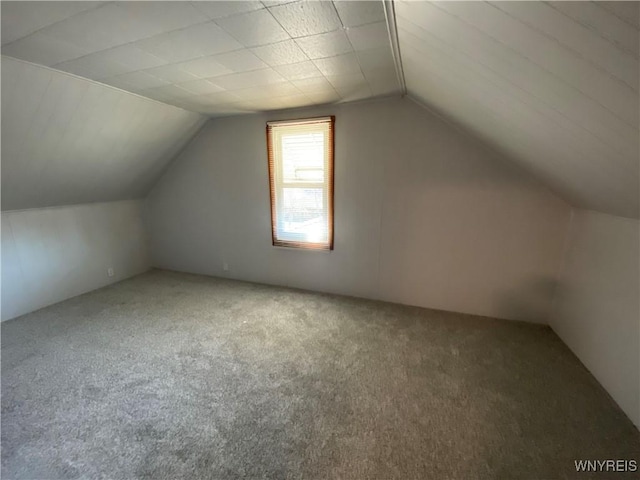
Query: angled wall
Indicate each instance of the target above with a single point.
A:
(553, 85)
(67, 140)
(597, 313)
(51, 254)
(423, 215)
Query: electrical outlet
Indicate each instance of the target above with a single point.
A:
(110, 271)
(225, 266)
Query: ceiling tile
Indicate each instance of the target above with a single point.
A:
(354, 13)
(139, 80)
(220, 98)
(339, 65)
(295, 101)
(297, 71)
(161, 17)
(101, 28)
(301, 19)
(131, 56)
(93, 66)
(313, 85)
(347, 81)
(205, 67)
(281, 53)
(266, 91)
(220, 9)
(325, 45)
(171, 73)
(369, 36)
(167, 91)
(191, 42)
(39, 48)
(240, 61)
(376, 58)
(238, 81)
(20, 19)
(321, 98)
(254, 28)
(200, 87)
(383, 81)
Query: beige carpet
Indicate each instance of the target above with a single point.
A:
(170, 375)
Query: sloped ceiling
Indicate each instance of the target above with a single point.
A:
(67, 140)
(553, 84)
(217, 57)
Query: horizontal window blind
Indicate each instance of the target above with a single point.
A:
(301, 182)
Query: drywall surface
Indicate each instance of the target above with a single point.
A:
(52, 254)
(68, 141)
(423, 215)
(597, 312)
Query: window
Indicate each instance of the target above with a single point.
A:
(301, 182)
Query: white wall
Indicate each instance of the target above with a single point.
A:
(423, 215)
(52, 254)
(597, 312)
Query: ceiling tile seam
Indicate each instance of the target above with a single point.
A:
(564, 151)
(345, 29)
(95, 82)
(392, 29)
(525, 91)
(614, 13)
(195, 5)
(194, 58)
(613, 77)
(294, 39)
(101, 5)
(502, 157)
(534, 63)
(598, 32)
(243, 48)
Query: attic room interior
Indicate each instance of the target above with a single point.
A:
(320, 240)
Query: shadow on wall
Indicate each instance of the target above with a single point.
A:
(530, 301)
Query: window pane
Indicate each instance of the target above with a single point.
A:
(302, 215)
(303, 157)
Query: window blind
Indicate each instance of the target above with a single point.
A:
(300, 157)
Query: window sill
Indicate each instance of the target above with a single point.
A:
(301, 249)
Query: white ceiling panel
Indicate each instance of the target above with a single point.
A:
(20, 19)
(189, 43)
(67, 140)
(172, 73)
(325, 44)
(281, 53)
(340, 65)
(240, 61)
(221, 9)
(554, 85)
(207, 47)
(298, 71)
(204, 67)
(200, 87)
(254, 28)
(369, 36)
(354, 13)
(302, 19)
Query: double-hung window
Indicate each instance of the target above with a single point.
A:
(301, 182)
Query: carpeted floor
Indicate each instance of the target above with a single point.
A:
(169, 375)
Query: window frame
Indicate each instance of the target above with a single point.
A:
(273, 198)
